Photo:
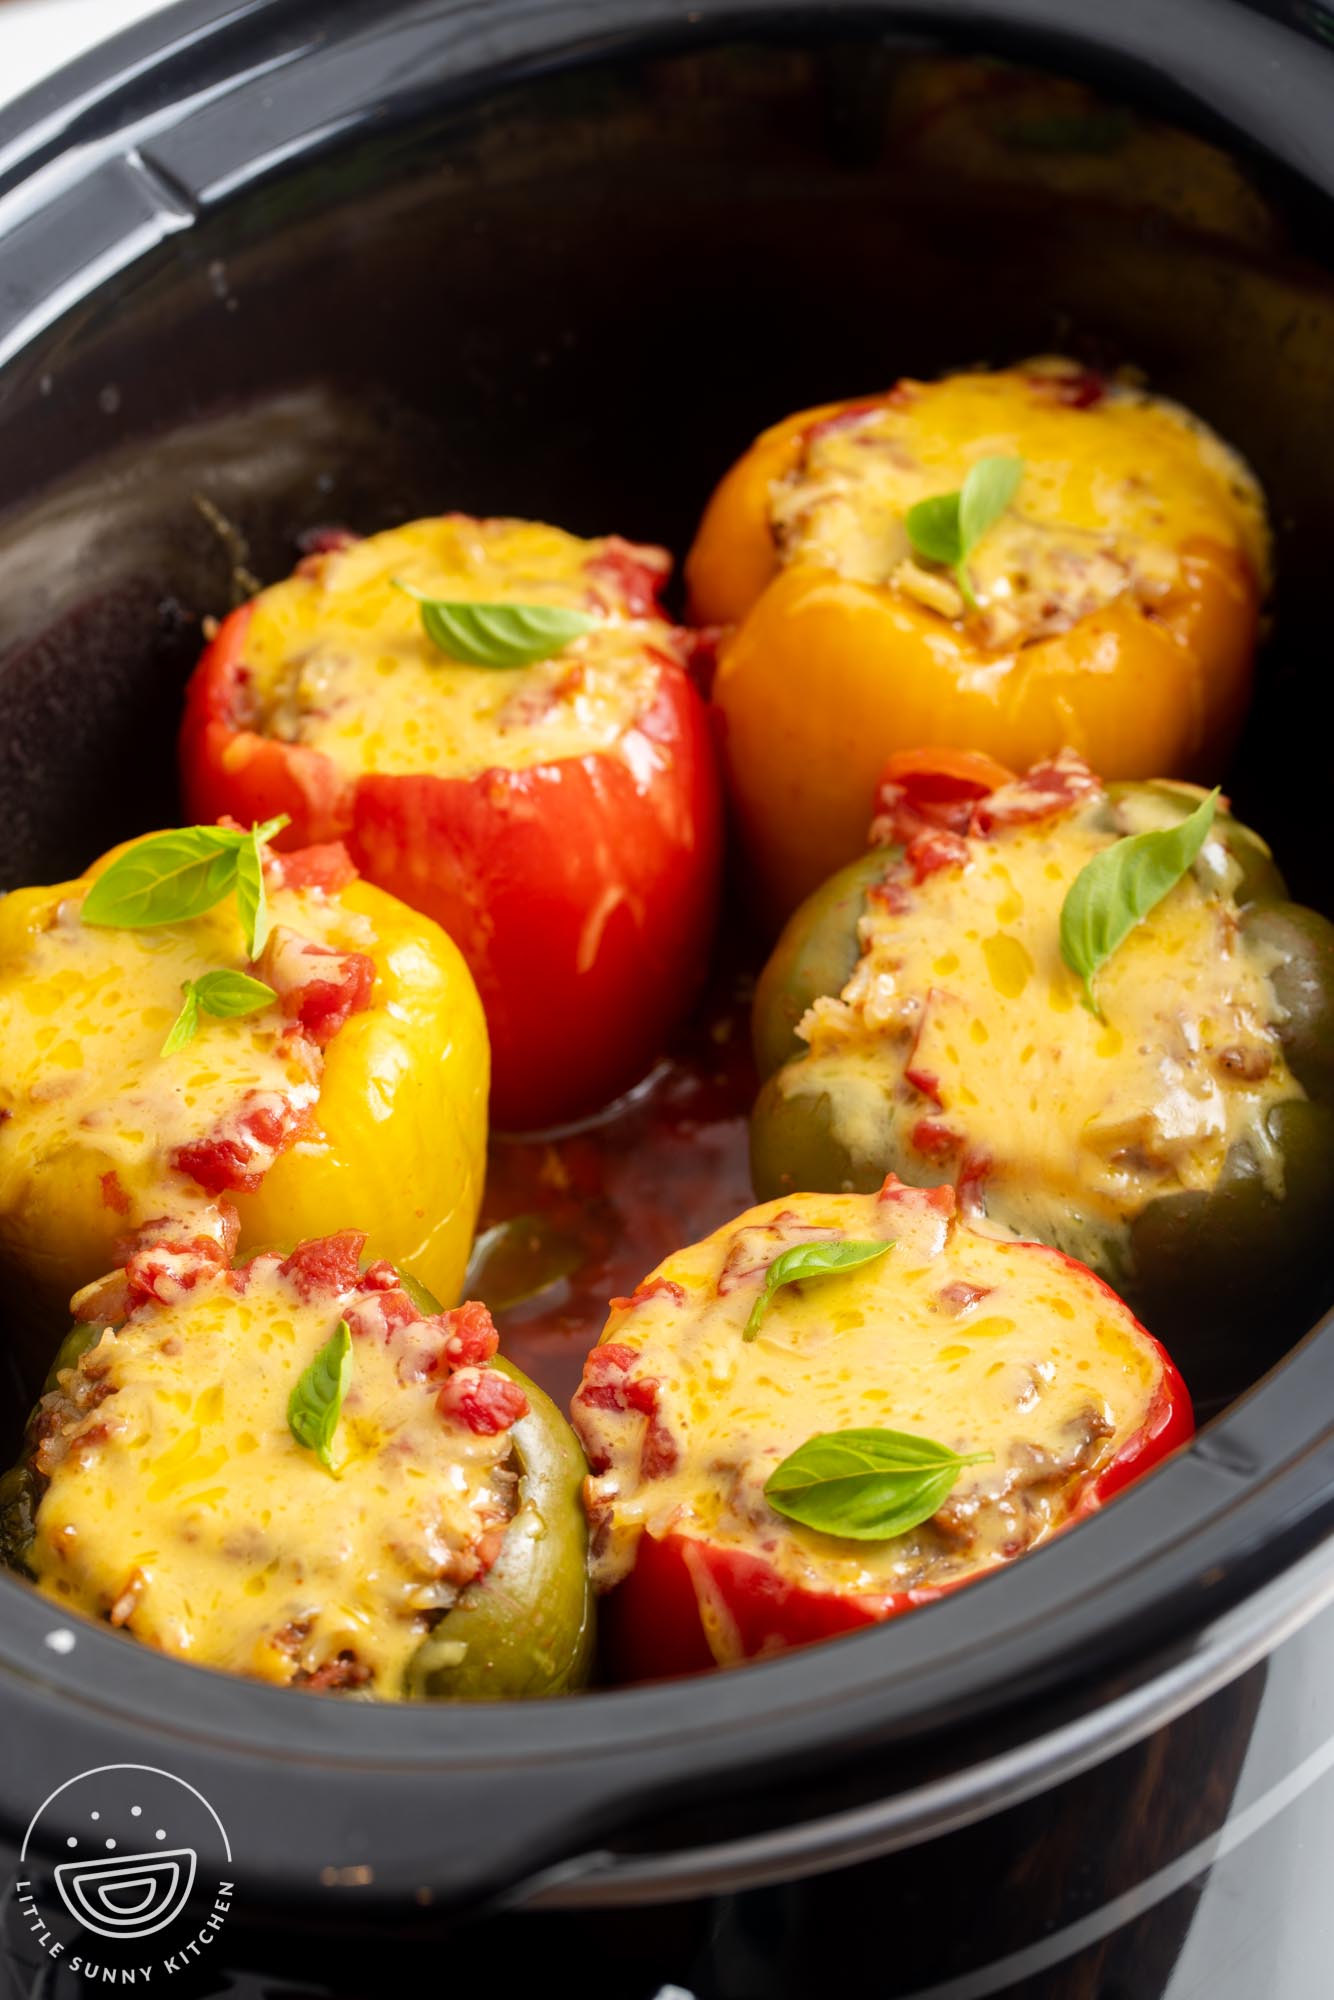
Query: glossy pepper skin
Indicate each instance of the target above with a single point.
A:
(1199, 1263)
(398, 1138)
(581, 891)
(523, 1630)
(822, 676)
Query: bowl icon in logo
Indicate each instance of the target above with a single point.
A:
(124, 1851)
(128, 1895)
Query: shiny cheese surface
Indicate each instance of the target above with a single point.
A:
(1032, 1360)
(185, 1510)
(84, 1012)
(1110, 494)
(339, 661)
(961, 1044)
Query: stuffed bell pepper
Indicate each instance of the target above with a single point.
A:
(1088, 1007)
(301, 1470)
(498, 721)
(1009, 562)
(838, 1407)
(200, 1037)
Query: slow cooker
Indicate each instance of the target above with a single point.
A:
(269, 265)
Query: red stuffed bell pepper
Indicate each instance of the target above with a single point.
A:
(529, 763)
(839, 1407)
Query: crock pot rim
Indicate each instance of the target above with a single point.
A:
(945, 1661)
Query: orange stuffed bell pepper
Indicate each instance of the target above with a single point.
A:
(837, 1408)
(1013, 562)
(187, 1058)
(497, 719)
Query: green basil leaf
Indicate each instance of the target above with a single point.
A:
(171, 877)
(866, 1485)
(948, 527)
(987, 491)
(934, 530)
(165, 880)
(1118, 888)
(316, 1401)
(251, 900)
(186, 1025)
(809, 1260)
(225, 995)
(498, 635)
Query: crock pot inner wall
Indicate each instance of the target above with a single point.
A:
(578, 297)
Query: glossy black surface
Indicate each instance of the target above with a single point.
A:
(314, 265)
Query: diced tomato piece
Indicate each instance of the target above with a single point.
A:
(327, 1266)
(319, 988)
(654, 1288)
(326, 865)
(935, 1141)
(235, 1157)
(113, 1194)
(1043, 792)
(470, 1334)
(936, 1200)
(483, 1399)
(631, 575)
(931, 788)
(166, 1271)
(927, 853)
(379, 1277)
(378, 1315)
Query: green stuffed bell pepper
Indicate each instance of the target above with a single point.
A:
(1090, 1008)
(305, 1472)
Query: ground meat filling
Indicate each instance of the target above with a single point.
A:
(167, 1492)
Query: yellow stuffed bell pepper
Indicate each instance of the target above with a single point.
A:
(204, 1042)
(878, 598)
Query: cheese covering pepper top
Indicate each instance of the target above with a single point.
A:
(177, 1502)
(365, 1075)
(339, 662)
(976, 1344)
(1110, 492)
(960, 1047)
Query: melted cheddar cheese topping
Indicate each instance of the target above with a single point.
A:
(339, 662)
(976, 1344)
(84, 1012)
(961, 1046)
(180, 1505)
(1110, 495)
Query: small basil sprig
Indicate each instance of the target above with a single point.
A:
(224, 995)
(1118, 888)
(948, 527)
(316, 1401)
(175, 876)
(867, 1485)
(809, 1260)
(497, 635)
